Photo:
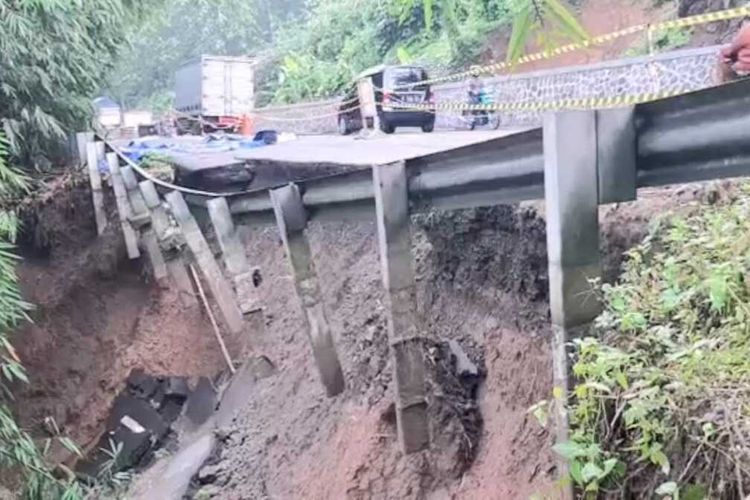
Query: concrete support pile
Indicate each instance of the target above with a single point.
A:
(589, 158)
(141, 219)
(95, 178)
(242, 275)
(407, 349)
(220, 288)
(291, 218)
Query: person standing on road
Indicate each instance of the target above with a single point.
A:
(735, 57)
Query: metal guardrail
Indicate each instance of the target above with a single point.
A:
(693, 137)
(697, 136)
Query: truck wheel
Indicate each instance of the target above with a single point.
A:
(428, 127)
(386, 127)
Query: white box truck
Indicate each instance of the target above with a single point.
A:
(218, 90)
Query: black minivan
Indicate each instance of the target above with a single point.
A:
(393, 84)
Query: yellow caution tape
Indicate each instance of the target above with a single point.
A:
(582, 103)
(698, 19)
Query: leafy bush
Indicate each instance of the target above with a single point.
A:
(662, 398)
(18, 451)
(54, 56)
(661, 41)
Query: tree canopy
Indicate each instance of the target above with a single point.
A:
(54, 56)
(312, 49)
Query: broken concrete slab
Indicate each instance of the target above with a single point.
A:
(174, 481)
(237, 393)
(202, 402)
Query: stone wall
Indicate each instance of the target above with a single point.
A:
(678, 71)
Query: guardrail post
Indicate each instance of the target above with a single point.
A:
(571, 195)
(170, 243)
(140, 218)
(616, 154)
(233, 255)
(407, 350)
(95, 179)
(291, 219)
(204, 258)
(123, 207)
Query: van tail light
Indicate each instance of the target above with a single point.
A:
(430, 97)
(386, 97)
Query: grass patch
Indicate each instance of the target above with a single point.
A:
(661, 402)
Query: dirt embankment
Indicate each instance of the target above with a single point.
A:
(482, 282)
(97, 316)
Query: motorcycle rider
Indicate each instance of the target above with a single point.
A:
(476, 87)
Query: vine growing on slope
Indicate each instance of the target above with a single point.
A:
(661, 403)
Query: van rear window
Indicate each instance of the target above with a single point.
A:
(405, 76)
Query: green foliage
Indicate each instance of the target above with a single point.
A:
(662, 395)
(313, 49)
(551, 20)
(337, 39)
(54, 54)
(661, 41)
(180, 31)
(17, 449)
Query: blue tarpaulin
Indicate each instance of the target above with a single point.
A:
(214, 143)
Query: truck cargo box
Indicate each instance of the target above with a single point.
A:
(216, 86)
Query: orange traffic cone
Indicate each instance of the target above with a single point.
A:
(246, 126)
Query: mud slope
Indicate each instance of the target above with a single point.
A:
(290, 441)
(96, 316)
(482, 282)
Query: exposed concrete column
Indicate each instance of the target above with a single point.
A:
(233, 253)
(291, 219)
(170, 242)
(217, 283)
(82, 140)
(140, 218)
(616, 154)
(123, 206)
(95, 179)
(571, 195)
(234, 256)
(407, 350)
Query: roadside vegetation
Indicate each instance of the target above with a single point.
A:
(662, 395)
(311, 50)
(54, 56)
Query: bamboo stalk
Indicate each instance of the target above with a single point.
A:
(211, 317)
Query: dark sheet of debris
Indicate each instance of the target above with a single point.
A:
(138, 424)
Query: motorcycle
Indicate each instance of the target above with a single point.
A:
(479, 117)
